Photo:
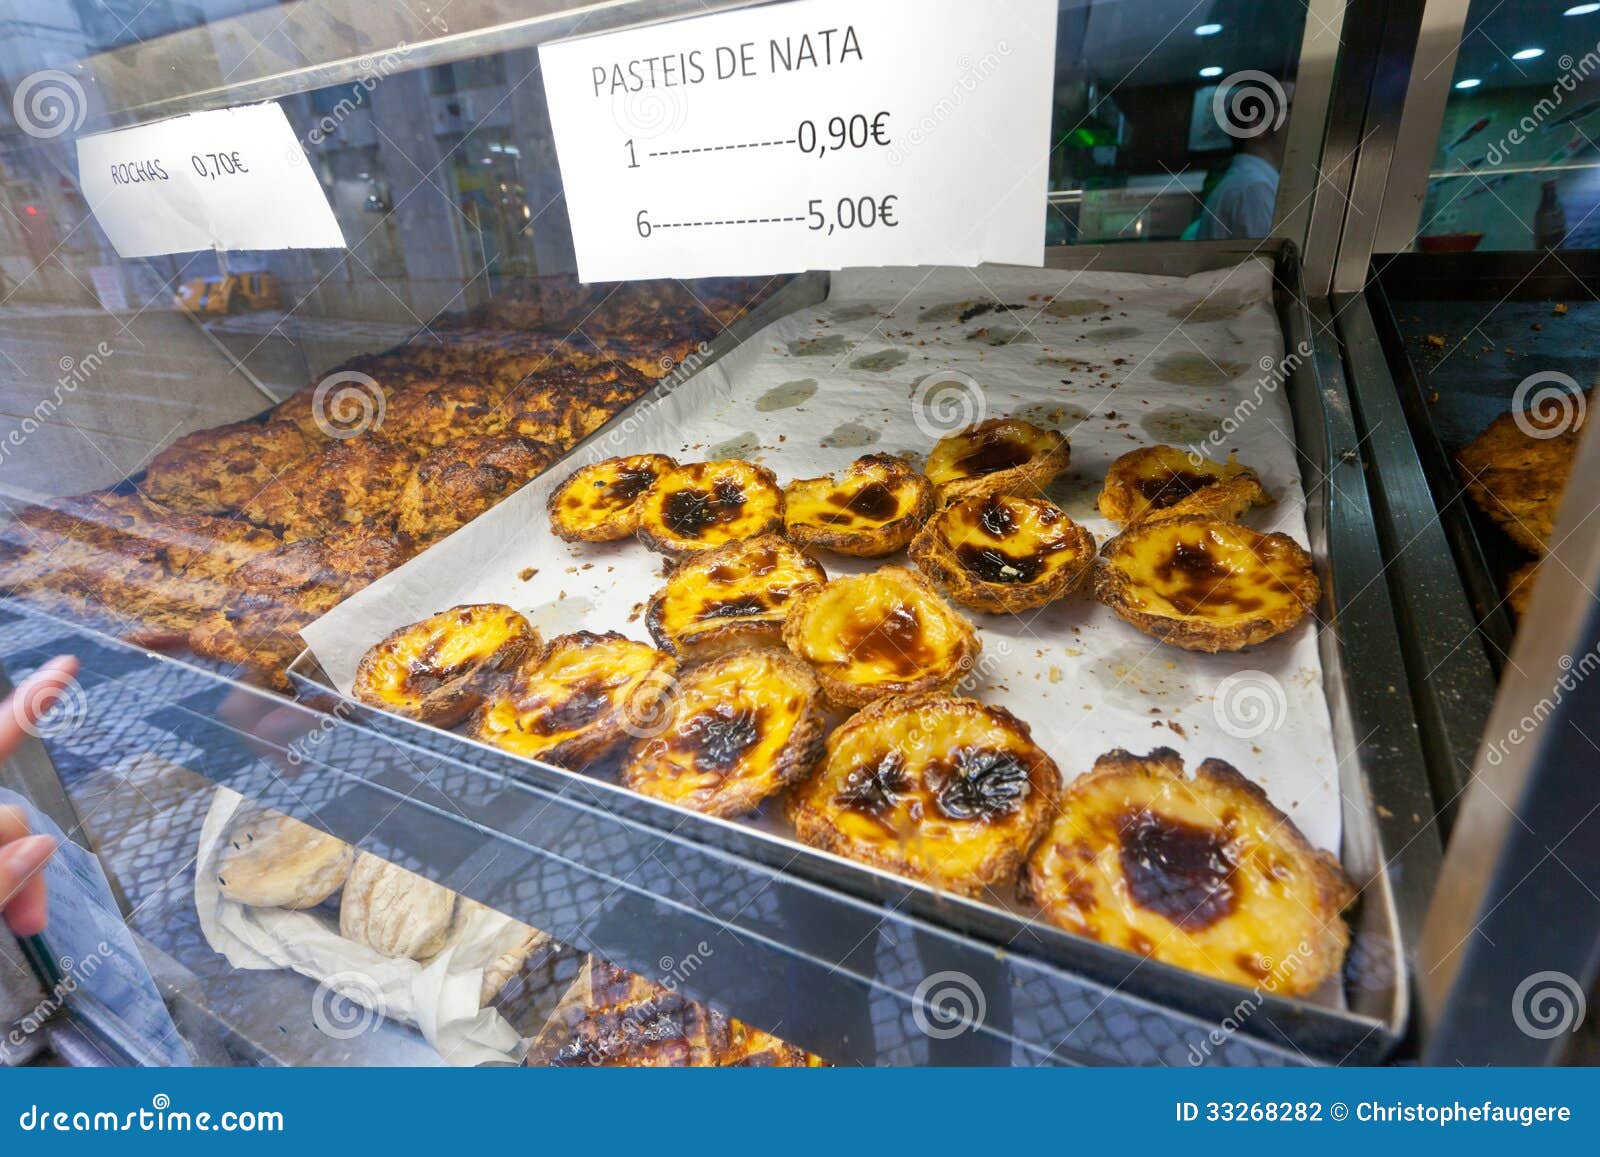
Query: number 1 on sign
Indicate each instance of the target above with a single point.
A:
(633, 161)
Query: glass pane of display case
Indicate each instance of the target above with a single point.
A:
(1516, 166)
(482, 665)
(1171, 118)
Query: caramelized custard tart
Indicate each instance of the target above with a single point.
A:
(700, 506)
(1002, 553)
(1204, 584)
(999, 456)
(871, 510)
(1204, 873)
(601, 501)
(438, 670)
(736, 730)
(735, 596)
(934, 787)
(877, 634)
(584, 696)
(1165, 482)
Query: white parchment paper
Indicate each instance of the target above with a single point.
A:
(439, 996)
(1117, 360)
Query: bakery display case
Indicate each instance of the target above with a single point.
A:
(1090, 663)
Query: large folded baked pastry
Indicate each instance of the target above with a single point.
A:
(616, 1019)
(216, 471)
(459, 481)
(270, 598)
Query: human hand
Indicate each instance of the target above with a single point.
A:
(23, 856)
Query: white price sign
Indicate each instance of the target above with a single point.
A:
(234, 178)
(809, 135)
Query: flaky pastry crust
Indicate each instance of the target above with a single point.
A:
(872, 509)
(998, 456)
(1156, 482)
(601, 502)
(878, 634)
(700, 506)
(936, 787)
(1204, 584)
(1202, 872)
(1004, 554)
(736, 596)
(585, 695)
(438, 670)
(737, 729)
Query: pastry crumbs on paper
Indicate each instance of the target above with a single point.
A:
(527, 573)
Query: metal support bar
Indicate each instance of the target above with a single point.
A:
(1514, 928)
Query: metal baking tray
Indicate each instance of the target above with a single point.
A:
(1383, 787)
(1495, 315)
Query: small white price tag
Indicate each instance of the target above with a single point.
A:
(234, 178)
(809, 135)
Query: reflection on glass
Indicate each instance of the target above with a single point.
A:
(1170, 119)
(1517, 165)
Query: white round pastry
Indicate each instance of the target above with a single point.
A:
(393, 911)
(270, 860)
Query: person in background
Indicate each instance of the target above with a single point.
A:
(23, 856)
(1242, 203)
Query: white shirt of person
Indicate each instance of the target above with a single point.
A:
(1240, 205)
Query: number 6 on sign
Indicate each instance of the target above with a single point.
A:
(730, 130)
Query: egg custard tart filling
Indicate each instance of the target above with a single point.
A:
(999, 456)
(736, 730)
(438, 670)
(735, 596)
(936, 787)
(1003, 553)
(1205, 584)
(870, 510)
(600, 502)
(586, 695)
(700, 506)
(1165, 482)
(1203, 872)
(877, 634)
